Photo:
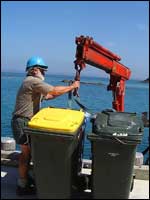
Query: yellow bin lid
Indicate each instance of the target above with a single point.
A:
(57, 120)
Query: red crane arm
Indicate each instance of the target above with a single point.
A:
(92, 53)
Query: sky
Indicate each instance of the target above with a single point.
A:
(48, 29)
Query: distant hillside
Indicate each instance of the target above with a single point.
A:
(67, 81)
(146, 80)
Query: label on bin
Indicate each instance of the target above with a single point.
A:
(113, 154)
(57, 120)
(120, 134)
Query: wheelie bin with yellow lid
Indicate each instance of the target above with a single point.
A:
(56, 138)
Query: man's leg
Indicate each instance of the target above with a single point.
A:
(24, 161)
(23, 186)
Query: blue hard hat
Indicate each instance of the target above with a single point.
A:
(36, 61)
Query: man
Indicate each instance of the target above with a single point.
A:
(30, 94)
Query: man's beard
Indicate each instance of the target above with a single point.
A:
(41, 77)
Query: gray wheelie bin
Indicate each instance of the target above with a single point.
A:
(114, 139)
(56, 136)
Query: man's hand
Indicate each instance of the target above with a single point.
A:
(76, 84)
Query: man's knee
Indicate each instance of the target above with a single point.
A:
(25, 155)
(24, 159)
(25, 149)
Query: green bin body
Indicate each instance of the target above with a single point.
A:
(114, 139)
(56, 159)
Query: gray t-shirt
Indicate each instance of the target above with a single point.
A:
(29, 96)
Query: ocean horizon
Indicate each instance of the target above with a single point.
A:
(72, 74)
(95, 97)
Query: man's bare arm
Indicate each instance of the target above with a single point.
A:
(60, 90)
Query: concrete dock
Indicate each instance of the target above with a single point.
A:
(9, 175)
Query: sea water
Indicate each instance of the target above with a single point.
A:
(94, 96)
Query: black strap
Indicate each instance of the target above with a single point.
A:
(77, 78)
(70, 95)
(76, 99)
(82, 106)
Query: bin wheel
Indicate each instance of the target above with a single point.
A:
(132, 184)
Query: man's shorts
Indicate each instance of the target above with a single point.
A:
(17, 125)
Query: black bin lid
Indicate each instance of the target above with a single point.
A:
(125, 125)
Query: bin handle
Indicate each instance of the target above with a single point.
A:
(120, 141)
